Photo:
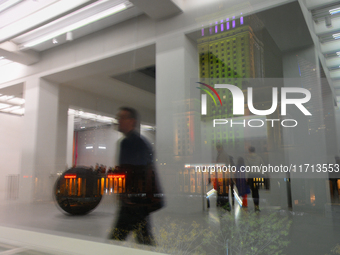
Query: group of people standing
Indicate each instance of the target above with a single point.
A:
(244, 182)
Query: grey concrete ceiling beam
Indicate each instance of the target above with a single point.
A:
(10, 51)
(158, 9)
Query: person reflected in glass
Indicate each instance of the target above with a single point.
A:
(223, 196)
(241, 182)
(135, 155)
(252, 159)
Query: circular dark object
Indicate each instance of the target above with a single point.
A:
(78, 190)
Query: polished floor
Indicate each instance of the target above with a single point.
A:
(309, 233)
(6, 248)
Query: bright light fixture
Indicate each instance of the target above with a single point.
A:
(11, 104)
(102, 147)
(2, 106)
(77, 25)
(11, 109)
(38, 17)
(89, 147)
(147, 127)
(5, 98)
(334, 11)
(20, 111)
(8, 4)
(92, 116)
(16, 100)
(336, 36)
(71, 111)
(77, 12)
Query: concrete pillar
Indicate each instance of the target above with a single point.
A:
(62, 137)
(176, 65)
(70, 134)
(337, 124)
(44, 139)
(306, 143)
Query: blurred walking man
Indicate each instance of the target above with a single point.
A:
(134, 158)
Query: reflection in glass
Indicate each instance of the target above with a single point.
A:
(79, 190)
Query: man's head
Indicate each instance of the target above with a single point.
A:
(127, 119)
(219, 147)
(251, 149)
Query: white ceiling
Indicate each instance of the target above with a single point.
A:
(29, 20)
(80, 32)
(96, 78)
(15, 90)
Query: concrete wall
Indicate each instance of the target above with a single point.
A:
(107, 137)
(104, 137)
(10, 149)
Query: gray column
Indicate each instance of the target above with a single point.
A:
(306, 143)
(44, 139)
(70, 134)
(176, 65)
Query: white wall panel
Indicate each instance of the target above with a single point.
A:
(10, 148)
